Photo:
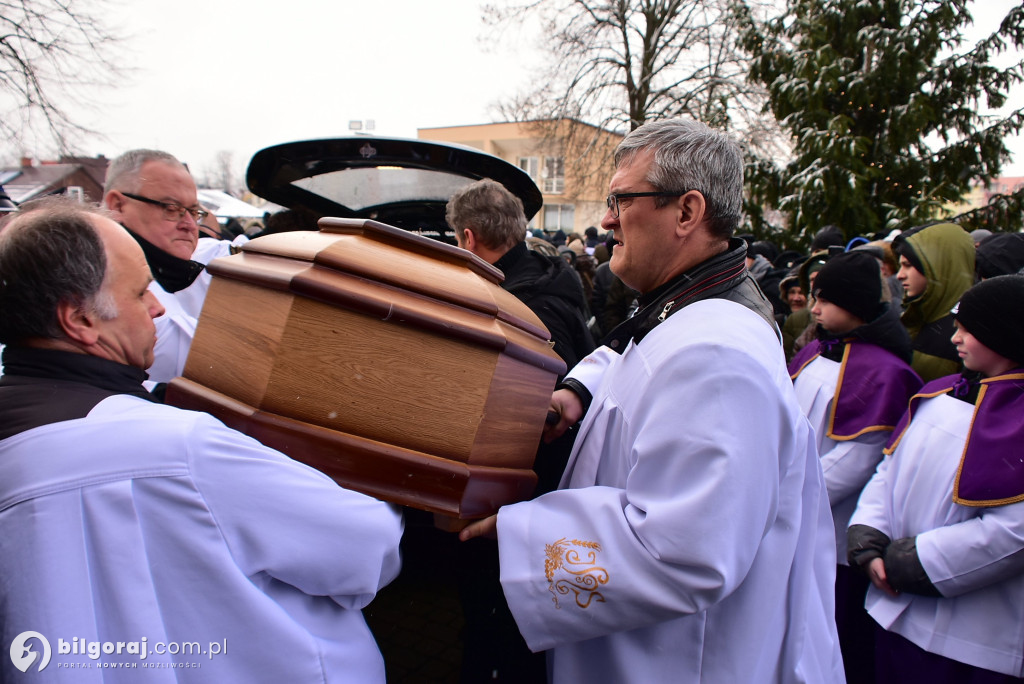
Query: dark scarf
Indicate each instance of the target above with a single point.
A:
(724, 276)
(44, 386)
(885, 331)
(933, 339)
(173, 274)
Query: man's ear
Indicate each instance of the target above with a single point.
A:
(114, 201)
(78, 323)
(469, 240)
(691, 209)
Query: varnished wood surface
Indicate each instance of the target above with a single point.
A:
(402, 476)
(392, 256)
(432, 378)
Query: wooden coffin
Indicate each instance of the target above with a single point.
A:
(394, 363)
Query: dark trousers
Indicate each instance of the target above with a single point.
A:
(855, 626)
(494, 651)
(899, 661)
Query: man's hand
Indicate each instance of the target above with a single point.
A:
(876, 573)
(488, 527)
(567, 407)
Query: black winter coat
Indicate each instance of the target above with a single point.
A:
(549, 286)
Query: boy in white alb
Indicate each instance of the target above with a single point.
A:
(939, 529)
(853, 383)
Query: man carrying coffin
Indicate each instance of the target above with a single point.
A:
(123, 519)
(690, 539)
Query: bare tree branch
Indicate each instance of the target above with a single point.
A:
(618, 63)
(53, 55)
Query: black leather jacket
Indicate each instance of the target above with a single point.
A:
(724, 276)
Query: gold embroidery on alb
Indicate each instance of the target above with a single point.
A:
(570, 570)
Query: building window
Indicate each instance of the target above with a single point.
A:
(554, 175)
(530, 165)
(558, 217)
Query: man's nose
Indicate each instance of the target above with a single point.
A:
(608, 222)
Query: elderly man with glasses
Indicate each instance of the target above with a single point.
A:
(690, 539)
(153, 196)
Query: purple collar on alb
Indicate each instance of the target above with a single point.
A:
(872, 391)
(991, 469)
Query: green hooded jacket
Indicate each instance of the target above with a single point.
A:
(944, 253)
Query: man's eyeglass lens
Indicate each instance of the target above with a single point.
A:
(172, 211)
(613, 200)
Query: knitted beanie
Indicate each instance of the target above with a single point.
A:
(980, 234)
(991, 312)
(763, 247)
(852, 281)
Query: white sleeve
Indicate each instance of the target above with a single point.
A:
(590, 370)
(293, 523)
(974, 553)
(174, 333)
(871, 507)
(207, 249)
(848, 465)
(701, 494)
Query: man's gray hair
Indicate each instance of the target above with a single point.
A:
(493, 213)
(688, 155)
(123, 172)
(50, 253)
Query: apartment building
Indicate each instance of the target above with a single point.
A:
(571, 163)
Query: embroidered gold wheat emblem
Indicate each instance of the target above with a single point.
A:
(570, 570)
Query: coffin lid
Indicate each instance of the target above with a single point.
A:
(320, 249)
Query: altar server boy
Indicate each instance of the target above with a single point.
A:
(939, 529)
(853, 383)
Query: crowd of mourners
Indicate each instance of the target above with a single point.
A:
(608, 301)
(907, 356)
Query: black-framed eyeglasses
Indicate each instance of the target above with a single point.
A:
(613, 200)
(172, 210)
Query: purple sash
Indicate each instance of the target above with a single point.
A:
(872, 391)
(991, 471)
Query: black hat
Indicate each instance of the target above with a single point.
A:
(762, 248)
(788, 259)
(829, 236)
(852, 281)
(1000, 254)
(990, 312)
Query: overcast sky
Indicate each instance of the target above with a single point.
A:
(212, 75)
(209, 75)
